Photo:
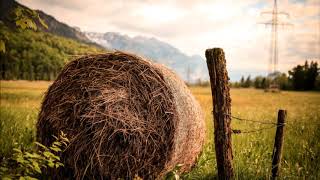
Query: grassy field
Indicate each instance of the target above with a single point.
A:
(20, 103)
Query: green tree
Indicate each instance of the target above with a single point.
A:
(37, 55)
(248, 82)
(317, 84)
(304, 77)
(242, 82)
(265, 83)
(257, 82)
(297, 77)
(311, 75)
(282, 80)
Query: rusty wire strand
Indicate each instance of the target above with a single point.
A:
(250, 120)
(238, 131)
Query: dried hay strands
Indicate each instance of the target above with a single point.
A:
(124, 116)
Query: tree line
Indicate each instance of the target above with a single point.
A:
(35, 55)
(301, 77)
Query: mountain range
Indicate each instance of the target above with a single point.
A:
(190, 68)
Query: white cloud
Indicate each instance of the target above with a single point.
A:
(193, 26)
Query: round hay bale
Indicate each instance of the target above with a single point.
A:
(124, 116)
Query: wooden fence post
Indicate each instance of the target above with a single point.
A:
(278, 142)
(221, 111)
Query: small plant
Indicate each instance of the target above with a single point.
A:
(174, 174)
(29, 165)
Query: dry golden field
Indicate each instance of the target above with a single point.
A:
(20, 103)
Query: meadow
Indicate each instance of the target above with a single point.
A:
(20, 103)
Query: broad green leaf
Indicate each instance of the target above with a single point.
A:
(26, 23)
(65, 139)
(57, 144)
(41, 145)
(64, 143)
(51, 164)
(31, 24)
(29, 166)
(36, 166)
(57, 165)
(48, 154)
(33, 155)
(30, 178)
(60, 164)
(20, 159)
(21, 23)
(33, 12)
(17, 150)
(18, 12)
(56, 149)
(42, 22)
(29, 155)
(56, 157)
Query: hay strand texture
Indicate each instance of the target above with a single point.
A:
(124, 116)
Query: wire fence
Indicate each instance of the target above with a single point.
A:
(250, 120)
(238, 131)
(264, 122)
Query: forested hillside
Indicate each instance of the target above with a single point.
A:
(8, 15)
(40, 53)
(37, 55)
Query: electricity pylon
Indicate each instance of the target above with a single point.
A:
(274, 23)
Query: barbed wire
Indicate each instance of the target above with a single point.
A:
(250, 120)
(269, 122)
(238, 131)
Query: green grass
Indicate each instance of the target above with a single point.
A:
(19, 106)
(20, 103)
(252, 152)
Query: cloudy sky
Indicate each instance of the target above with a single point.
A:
(194, 25)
